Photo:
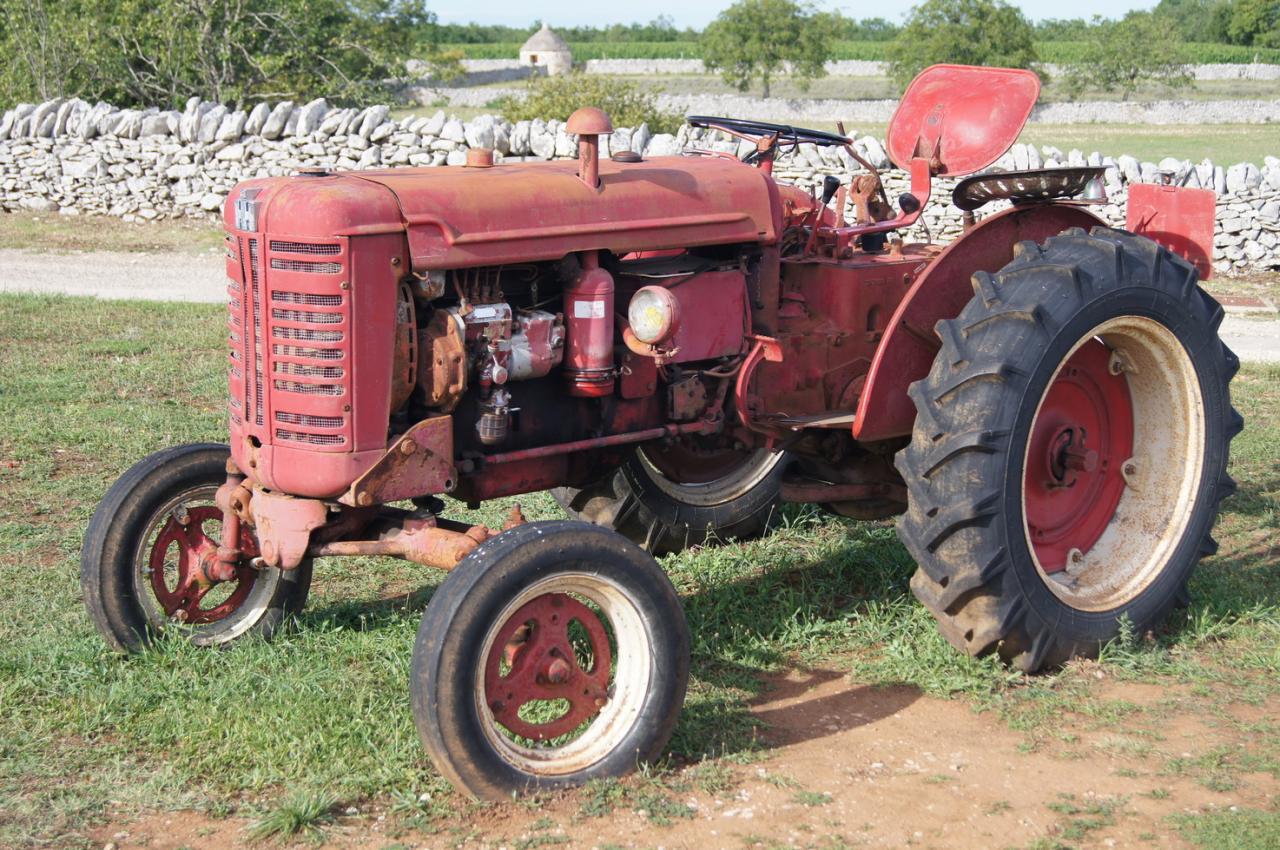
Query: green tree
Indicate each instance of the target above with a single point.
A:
(1062, 29)
(1254, 23)
(558, 97)
(1141, 47)
(1195, 20)
(761, 39)
(160, 52)
(968, 32)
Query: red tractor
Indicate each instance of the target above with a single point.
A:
(674, 347)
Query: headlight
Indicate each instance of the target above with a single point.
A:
(653, 314)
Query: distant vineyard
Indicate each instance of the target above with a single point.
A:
(1064, 52)
(1057, 52)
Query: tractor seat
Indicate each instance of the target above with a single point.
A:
(1022, 187)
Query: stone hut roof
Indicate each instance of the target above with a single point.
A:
(545, 41)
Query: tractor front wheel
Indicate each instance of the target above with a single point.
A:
(1070, 449)
(139, 564)
(555, 653)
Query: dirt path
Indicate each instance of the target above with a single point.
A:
(850, 765)
(108, 274)
(201, 278)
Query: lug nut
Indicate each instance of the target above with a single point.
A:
(1075, 562)
(1129, 472)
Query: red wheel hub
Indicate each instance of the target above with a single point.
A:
(541, 666)
(1081, 437)
(197, 553)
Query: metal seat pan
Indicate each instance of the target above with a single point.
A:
(1022, 187)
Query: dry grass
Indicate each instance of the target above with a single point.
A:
(53, 232)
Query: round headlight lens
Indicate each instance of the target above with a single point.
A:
(652, 314)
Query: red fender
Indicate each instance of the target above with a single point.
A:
(909, 345)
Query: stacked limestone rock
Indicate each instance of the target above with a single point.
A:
(73, 157)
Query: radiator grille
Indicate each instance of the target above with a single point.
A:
(289, 335)
(306, 351)
(308, 389)
(318, 249)
(288, 368)
(312, 439)
(305, 266)
(306, 298)
(306, 316)
(309, 421)
(307, 334)
(255, 289)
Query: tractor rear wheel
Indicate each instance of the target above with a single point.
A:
(668, 497)
(1070, 449)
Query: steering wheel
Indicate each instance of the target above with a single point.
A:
(755, 130)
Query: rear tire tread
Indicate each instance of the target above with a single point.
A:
(979, 608)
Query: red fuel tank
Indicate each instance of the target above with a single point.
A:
(588, 308)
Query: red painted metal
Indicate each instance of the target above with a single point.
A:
(533, 659)
(1179, 218)
(589, 123)
(230, 499)
(588, 316)
(1081, 437)
(712, 316)
(284, 525)
(197, 552)
(600, 442)
(906, 353)
(961, 118)
(321, 359)
(832, 317)
(639, 376)
(423, 541)
(310, 372)
(418, 463)
(458, 218)
(838, 241)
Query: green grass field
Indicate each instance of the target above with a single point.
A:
(89, 387)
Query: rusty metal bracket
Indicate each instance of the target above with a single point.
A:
(419, 463)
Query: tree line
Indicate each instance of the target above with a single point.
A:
(756, 40)
(160, 52)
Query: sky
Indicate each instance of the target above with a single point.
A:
(697, 13)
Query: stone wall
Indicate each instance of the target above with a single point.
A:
(73, 157)
(854, 68)
(805, 109)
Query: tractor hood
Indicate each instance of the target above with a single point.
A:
(523, 212)
(532, 211)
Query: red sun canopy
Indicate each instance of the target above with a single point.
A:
(963, 116)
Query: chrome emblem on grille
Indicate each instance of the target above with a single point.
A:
(247, 211)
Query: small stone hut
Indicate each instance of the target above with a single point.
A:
(545, 49)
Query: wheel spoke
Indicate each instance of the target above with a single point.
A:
(185, 529)
(543, 667)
